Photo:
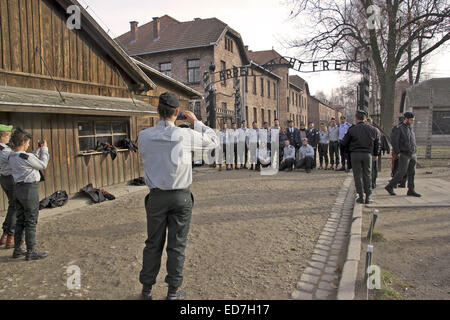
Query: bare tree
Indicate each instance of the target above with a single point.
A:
(396, 35)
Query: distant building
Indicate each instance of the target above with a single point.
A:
(416, 98)
(319, 111)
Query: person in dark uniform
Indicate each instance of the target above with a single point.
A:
(165, 151)
(375, 162)
(404, 144)
(293, 135)
(402, 183)
(343, 128)
(25, 171)
(313, 139)
(8, 186)
(363, 145)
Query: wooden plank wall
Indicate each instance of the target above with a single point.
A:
(66, 170)
(73, 59)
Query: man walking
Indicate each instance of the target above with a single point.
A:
(165, 151)
(375, 162)
(404, 144)
(362, 142)
(343, 128)
(333, 134)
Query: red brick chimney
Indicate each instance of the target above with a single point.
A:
(156, 27)
(134, 30)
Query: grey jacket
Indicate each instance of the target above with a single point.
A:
(403, 139)
(305, 151)
(25, 166)
(5, 168)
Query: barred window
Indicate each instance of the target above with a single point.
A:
(92, 133)
(193, 71)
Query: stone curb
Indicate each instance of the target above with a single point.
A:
(346, 290)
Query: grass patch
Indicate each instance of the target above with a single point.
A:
(378, 237)
(391, 287)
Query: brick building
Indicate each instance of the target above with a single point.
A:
(185, 50)
(319, 111)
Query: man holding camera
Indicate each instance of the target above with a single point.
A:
(166, 155)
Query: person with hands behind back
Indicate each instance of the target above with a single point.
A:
(25, 171)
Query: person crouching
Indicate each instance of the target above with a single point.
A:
(305, 156)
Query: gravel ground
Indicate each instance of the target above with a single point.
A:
(250, 238)
(415, 248)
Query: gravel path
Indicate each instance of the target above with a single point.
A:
(251, 237)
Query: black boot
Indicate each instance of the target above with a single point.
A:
(174, 294)
(402, 185)
(360, 199)
(33, 254)
(147, 292)
(390, 190)
(412, 193)
(19, 252)
(368, 199)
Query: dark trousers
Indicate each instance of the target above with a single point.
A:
(171, 211)
(323, 153)
(362, 172)
(395, 162)
(374, 172)
(287, 164)
(334, 152)
(344, 155)
(9, 188)
(305, 163)
(406, 166)
(27, 205)
(314, 163)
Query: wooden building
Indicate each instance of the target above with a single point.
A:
(75, 89)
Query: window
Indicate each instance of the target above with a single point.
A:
(228, 44)
(246, 114)
(262, 87)
(223, 65)
(262, 116)
(287, 104)
(246, 84)
(92, 133)
(193, 71)
(254, 84)
(269, 116)
(166, 68)
(274, 91)
(268, 88)
(255, 115)
(274, 115)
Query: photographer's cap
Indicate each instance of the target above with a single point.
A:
(5, 128)
(169, 99)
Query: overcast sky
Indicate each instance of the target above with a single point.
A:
(261, 23)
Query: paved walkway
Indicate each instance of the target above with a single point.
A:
(435, 193)
(320, 280)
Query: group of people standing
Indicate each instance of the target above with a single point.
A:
(298, 147)
(20, 177)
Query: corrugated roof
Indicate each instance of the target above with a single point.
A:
(13, 96)
(174, 35)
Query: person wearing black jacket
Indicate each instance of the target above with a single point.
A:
(312, 134)
(363, 144)
(293, 135)
(375, 162)
(403, 142)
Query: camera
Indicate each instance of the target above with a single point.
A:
(40, 144)
(181, 116)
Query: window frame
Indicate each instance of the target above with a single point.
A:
(93, 121)
(193, 68)
(164, 71)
